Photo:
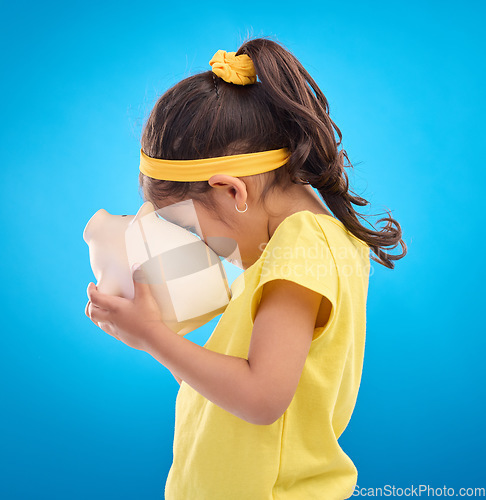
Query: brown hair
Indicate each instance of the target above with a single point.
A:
(202, 116)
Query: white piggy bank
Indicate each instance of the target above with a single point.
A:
(186, 277)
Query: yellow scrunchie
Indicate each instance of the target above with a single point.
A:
(232, 68)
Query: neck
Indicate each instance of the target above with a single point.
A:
(278, 207)
(300, 197)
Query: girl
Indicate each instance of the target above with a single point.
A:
(261, 406)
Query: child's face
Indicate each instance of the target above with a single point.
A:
(221, 237)
(240, 236)
(192, 216)
(182, 213)
(237, 238)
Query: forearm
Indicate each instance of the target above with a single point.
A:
(225, 380)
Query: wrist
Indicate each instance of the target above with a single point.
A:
(154, 332)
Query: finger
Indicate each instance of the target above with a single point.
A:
(140, 282)
(86, 308)
(102, 300)
(97, 314)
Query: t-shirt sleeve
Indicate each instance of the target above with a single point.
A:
(299, 251)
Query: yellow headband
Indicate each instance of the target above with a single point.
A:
(232, 68)
(204, 169)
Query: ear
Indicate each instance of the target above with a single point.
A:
(230, 186)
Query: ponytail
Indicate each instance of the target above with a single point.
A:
(315, 158)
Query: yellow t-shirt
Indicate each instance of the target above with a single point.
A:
(218, 456)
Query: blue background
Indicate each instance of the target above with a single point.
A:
(85, 416)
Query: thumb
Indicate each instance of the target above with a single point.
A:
(140, 281)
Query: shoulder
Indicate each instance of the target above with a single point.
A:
(313, 238)
(298, 223)
(301, 228)
(301, 217)
(310, 226)
(298, 244)
(298, 253)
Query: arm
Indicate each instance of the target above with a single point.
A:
(260, 388)
(179, 380)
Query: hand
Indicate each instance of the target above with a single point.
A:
(131, 321)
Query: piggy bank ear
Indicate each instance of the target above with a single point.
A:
(96, 221)
(144, 210)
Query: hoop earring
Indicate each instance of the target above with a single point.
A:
(242, 211)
